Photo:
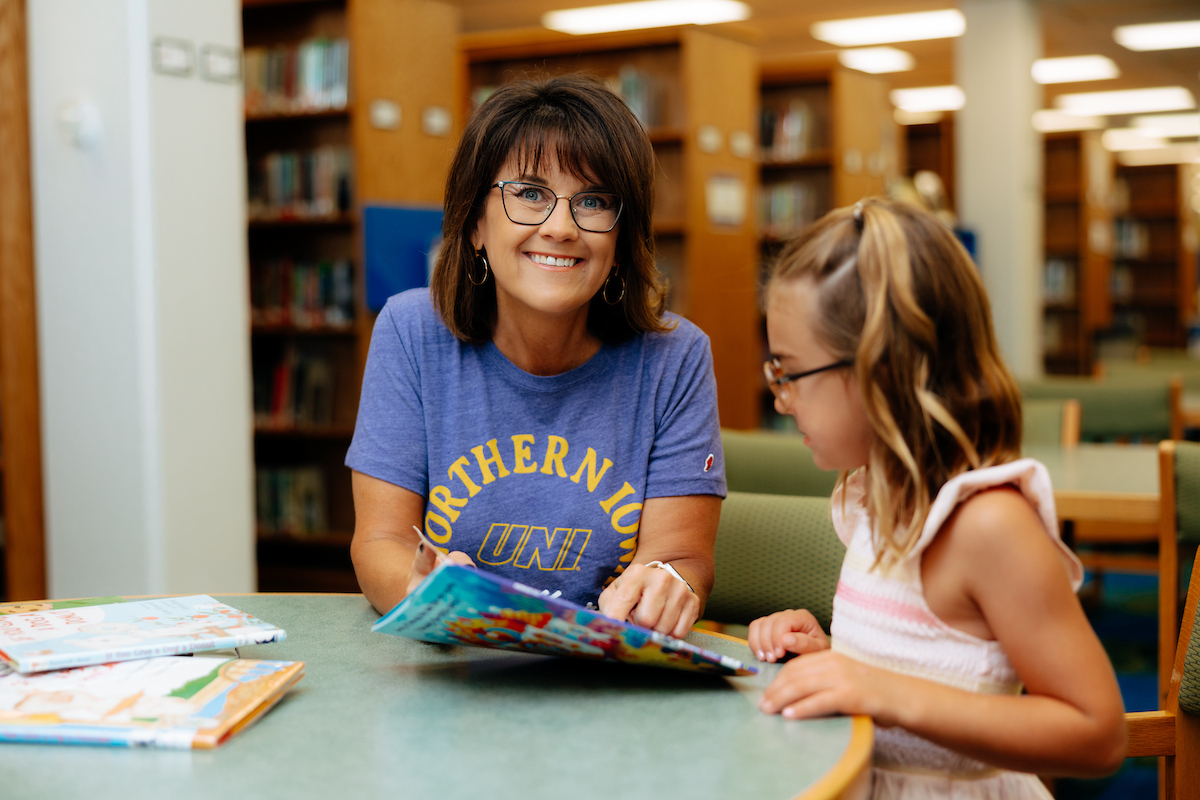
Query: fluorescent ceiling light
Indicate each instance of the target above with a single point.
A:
(1117, 140)
(649, 14)
(929, 98)
(1171, 154)
(1074, 68)
(877, 60)
(891, 28)
(903, 117)
(1169, 125)
(1128, 101)
(1159, 35)
(1048, 121)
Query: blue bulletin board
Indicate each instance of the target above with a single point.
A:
(399, 245)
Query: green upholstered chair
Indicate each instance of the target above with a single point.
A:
(1145, 407)
(773, 463)
(1173, 732)
(1050, 421)
(774, 552)
(1178, 531)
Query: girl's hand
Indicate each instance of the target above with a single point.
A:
(652, 598)
(820, 684)
(794, 631)
(426, 558)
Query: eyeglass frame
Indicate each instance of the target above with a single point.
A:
(778, 380)
(570, 207)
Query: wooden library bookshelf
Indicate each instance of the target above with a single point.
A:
(694, 91)
(827, 139)
(1076, 278)
(930, 147)
(315, 70)
(1154, 270)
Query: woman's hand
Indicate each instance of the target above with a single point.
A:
(426, 558)
(792, 631)
(653, 598)
(824, 683)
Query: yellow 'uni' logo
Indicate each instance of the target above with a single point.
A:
(526, 546)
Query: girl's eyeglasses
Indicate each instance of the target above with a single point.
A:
(778, 380)
(531, 204)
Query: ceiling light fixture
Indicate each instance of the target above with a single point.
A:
(1169, 125)
(929, 98)
(1171, 154)
(891, 28)
(1074, 69)
(877, 60)
(1048, 121)
(1117, 140)
(1159, 35)
(648, 14)
(1128, 101)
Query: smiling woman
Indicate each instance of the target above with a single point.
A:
(536, 411)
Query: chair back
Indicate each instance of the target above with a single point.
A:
(1050, 421)
(773, 463)
(774, 552)
(1117, 408)
(1179, 529)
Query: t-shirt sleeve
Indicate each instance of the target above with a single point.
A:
(686, 458)
(389, 435)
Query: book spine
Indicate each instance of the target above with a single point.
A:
(66, 660)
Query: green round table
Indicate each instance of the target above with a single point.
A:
(379, 716)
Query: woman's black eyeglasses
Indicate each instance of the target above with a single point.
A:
(531, 204)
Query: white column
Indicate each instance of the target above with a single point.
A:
(999, 167)
(142, 303)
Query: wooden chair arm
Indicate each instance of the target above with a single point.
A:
(1151, 733)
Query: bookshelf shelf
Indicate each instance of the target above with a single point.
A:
(322, 432)
(325, 220)
(299, 330)
(292, 116)
(327, 539)
(818, 158)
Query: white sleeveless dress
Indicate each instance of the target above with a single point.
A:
(880, 617)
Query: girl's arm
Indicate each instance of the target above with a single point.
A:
(384, 548)
(1071, 722)
(682, 532)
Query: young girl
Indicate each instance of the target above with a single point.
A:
(956, 590)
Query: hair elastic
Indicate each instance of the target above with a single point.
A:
(858, 215)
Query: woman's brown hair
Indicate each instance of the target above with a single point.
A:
(898, 294)
(595, 137)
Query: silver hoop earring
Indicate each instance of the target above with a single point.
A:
(604, 291)
(480, 255)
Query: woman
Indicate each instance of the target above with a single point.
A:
(534, 410)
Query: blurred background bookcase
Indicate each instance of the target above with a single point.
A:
(827, 139)
(1076, 298)
(694, 92)
(1154, 252)
(930, 146)
(335, 91)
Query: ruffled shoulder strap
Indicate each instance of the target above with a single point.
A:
(848, 506)
(1027, 475)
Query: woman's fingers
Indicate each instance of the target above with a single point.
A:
(652, 598)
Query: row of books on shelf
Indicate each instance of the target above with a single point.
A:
(301, 183)
(1131, 239)
(296, 391)
(312, 75)
(303, 294)
(291, 500)
(787, 130)
(787, 206)
(642, 91)
(1058, 281)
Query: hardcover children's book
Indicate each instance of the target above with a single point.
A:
(75, 636)
(462, 605)
(169, 701)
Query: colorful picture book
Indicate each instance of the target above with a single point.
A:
(466, 606)
(57, 638)
(169, 701)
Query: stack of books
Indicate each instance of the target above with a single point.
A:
(150, 673)
(297, 78)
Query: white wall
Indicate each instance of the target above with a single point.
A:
(142, 304)
(999, 167)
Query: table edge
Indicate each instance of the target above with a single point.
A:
(852, 768)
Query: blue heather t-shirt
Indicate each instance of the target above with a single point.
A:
(539, 479)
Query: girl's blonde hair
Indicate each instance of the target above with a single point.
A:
(900, 295)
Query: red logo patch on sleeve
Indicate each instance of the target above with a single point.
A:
(708, 462)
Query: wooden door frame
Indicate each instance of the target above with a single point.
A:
(20, 418)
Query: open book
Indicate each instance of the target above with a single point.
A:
(79, 635)
(169, 701)
(463, 605)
